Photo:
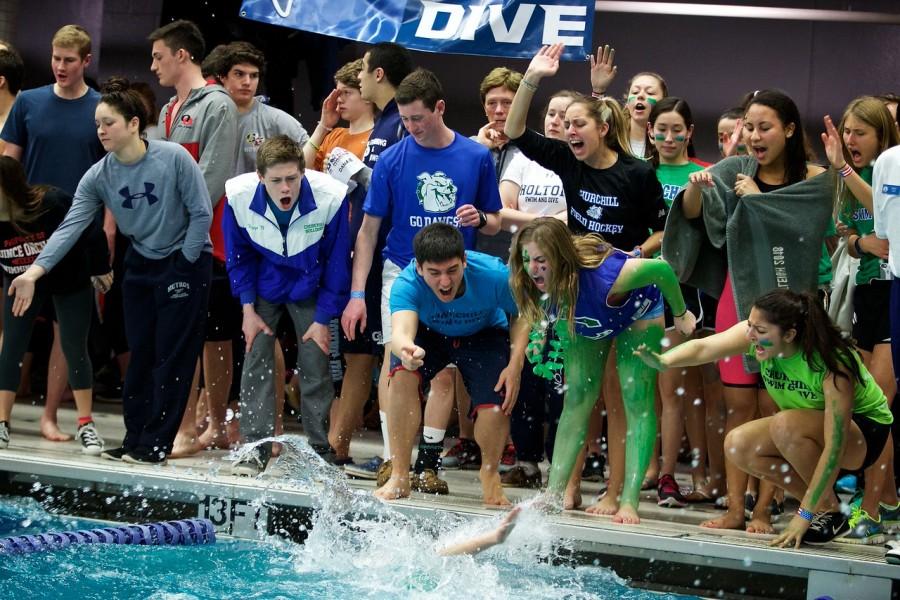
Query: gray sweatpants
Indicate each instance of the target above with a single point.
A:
(257, 404)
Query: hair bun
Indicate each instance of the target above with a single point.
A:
(115, 84)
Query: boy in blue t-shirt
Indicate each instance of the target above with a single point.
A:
(452, 306)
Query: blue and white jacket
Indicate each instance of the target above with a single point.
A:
(312, 260)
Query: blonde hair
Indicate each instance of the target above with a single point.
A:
(75, 37)
(500, 77)
(606, 110)
(871, 111)
(566, 254)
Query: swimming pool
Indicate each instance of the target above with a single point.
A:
(357, 548)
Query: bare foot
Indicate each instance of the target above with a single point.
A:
(492, 489)
(185, 446)
(730, 520)
(607, 505)
(760, 525)
(396, 487)
(572, 499)
(627, 515)
(50, 430)
(214, 439)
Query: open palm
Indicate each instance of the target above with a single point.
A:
(546, 62)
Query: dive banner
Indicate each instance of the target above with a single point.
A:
(513, 28)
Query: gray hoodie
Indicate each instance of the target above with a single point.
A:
(159, 203)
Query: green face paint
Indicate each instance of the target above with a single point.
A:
(765, 343)
(650, 101)
(526, 258)
(661, 137)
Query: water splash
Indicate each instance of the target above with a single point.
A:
(363, 540)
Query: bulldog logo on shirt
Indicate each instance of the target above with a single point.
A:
(436, 192)
(595, 212)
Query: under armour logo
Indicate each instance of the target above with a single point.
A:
(129, 197)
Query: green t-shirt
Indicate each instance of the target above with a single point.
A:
(673, 178)
(825, 274)
(857, 217)
(794, 383)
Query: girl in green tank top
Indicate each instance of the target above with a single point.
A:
(825, 395)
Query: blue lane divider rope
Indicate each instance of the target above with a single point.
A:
(166, 533)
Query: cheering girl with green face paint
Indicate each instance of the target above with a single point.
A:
(580, 294)
(644, 90)
(833, 414)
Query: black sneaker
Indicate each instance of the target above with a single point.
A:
(593, 468)
(825, 527)
(145, 457)
(115, 454)
(250, 466)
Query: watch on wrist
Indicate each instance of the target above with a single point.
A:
(482, 219)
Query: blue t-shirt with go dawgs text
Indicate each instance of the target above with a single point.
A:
(415, 186)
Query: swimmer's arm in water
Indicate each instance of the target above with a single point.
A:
(700, 351)
(484, 541)
(838, 410)
(641, 272)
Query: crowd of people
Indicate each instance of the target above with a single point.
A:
(593, 294)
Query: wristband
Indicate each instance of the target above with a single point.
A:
(324, 126)
(482, 219)
(805, 514)
(358, 295)
(313, 144)
(859, 251)
(684, 312)
(529, 85)
(846, 170)
(596, 94)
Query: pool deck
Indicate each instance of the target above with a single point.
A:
(668, 550)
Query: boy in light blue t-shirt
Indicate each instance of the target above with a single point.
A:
(453, 306)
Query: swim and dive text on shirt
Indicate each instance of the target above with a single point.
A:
(20, 252)
(777, 380)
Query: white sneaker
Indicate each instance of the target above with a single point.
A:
(4, 435)
(91, 442)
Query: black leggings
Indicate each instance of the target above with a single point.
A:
(73, 311)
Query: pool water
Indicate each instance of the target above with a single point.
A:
(357, 548)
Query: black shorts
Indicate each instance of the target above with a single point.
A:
(368, 341)
(701, 304)
(480, 358)
(875, 434)
(871, 314)
(223, 317)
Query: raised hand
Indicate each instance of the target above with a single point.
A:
(834, 146)
(330, 114)
(603, 71)
(545, 63)
(731, 143)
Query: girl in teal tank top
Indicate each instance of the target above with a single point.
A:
(833, 415)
